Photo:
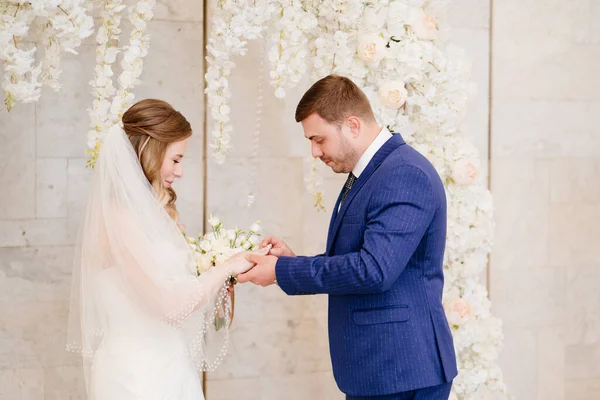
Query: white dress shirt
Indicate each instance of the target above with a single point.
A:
(366, 157)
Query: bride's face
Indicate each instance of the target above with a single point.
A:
(171, 167)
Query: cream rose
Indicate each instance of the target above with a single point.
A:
(371, 48)
(424, 25)
(464, 172)
(203, 262)
(458, 311)
(393, 94)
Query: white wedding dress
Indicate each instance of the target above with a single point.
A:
(145, 360)
(142, 319)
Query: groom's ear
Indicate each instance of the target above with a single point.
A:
(354, 124)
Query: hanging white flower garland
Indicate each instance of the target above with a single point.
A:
(417, 86)
(234, 22)
(110, 103)
(62, 27)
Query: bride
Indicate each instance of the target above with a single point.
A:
(140, 316)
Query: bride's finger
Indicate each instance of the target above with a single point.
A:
(263, 251)
(276, 252)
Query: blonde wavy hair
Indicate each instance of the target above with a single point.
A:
(151, 126)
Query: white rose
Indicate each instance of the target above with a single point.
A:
(221, 246)
(372, 48)
(393, 94)
(464, 172)
(205, 245)
(255, 227)
(213, 221)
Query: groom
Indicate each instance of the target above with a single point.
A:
(382, 269)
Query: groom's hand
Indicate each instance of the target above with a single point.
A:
(279, 249)
(263, 273)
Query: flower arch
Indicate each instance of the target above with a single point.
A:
(418, 86)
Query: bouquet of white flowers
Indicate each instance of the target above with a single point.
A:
(218, 246)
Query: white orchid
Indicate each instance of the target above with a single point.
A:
(62, 30)
(111, 102)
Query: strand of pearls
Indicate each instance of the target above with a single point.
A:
(259, 110)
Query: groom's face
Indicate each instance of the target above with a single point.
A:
(331, 143)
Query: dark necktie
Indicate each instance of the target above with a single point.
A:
(347, 186)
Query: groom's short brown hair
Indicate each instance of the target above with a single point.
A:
(334, 98)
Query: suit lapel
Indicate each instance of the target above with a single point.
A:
(392, 144)
(333, 217)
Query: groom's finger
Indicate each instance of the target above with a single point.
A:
(254, 258)
(266, 241)
(247, 277)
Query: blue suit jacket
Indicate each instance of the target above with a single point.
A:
(383, 272)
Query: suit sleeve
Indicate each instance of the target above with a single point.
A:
(399, 213)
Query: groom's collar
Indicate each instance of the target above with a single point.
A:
(383, 136)
(382, 153)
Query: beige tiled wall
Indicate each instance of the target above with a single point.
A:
(42, 171)
(545, 158)
(545, 270)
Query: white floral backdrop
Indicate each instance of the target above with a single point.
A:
(58, 26)
(418, 85)
(394, 50)
(544, 271)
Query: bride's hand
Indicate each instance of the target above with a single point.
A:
(240, 265)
